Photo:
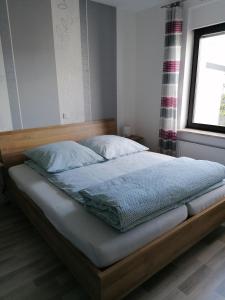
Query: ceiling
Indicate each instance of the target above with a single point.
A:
(135, 5)
(138, 5)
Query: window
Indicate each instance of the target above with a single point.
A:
(207, 93)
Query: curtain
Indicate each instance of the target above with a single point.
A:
(171, 68)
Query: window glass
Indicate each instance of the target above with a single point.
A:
(209, 99)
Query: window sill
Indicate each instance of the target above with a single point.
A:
(201, 132)
(207, 138)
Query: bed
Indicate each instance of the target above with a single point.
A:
(106, 263)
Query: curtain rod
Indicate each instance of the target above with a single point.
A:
(173, 4)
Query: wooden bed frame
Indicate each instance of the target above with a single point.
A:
(116, 281)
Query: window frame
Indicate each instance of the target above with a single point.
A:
(198, 33)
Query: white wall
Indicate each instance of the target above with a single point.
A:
(5, 114)
(150, 40)
(145, 110)
(140, 40)
(205, 13)
(126, 69)
(196, 145)
(67, 42)
(196, 15)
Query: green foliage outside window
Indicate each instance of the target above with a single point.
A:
(222, 106)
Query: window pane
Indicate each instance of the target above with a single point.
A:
(209, 104)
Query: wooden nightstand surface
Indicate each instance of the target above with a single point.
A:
(136, 138)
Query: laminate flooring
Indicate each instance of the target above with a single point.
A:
(30, 270)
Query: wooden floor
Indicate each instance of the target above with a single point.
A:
(30, 270)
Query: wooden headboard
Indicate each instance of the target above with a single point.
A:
(14, 143)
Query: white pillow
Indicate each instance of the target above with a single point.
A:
(62, 156)
(113, 146)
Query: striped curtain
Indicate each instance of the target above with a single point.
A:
(171, 67)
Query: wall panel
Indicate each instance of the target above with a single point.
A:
(33, 47)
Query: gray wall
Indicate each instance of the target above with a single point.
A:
(33, 46)
(5, 113)
(85, 59)
(99, 58)
(9, 66)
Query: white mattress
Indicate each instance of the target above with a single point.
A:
(102, 244)
(199, 204)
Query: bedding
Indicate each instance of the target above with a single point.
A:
(62, 156)
(102, 244)
(113, 146)
(131, 199)
(72, 181)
